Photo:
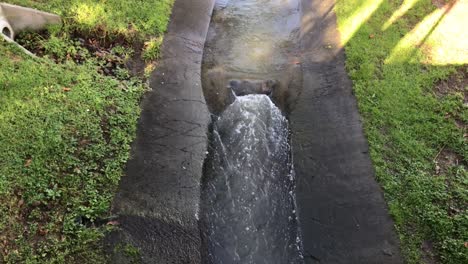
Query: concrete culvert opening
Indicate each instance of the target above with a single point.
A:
(7, 32)
(246, 87)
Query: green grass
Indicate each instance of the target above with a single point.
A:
(65, 132)
(108, 17)
(151, 50)
(409, 127)
(66, 129)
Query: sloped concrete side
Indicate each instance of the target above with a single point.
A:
(158, 199)
(342, 213)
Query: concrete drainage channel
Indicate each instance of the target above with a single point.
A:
(282, 176)
(248, 212)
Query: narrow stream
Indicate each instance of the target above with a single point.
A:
(248, 194)
(248, 198)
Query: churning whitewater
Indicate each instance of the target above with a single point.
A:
(248, 213)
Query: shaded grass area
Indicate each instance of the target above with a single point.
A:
(417, 135)
(66, 124)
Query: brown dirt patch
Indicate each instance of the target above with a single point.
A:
(438, 3)
(428, 256)
(456, 83)
(100, 48)
(446, 159)
(441, 3)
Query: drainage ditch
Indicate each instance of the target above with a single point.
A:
(250, 77)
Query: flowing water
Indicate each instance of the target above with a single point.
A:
(253, 36)
(249, 210)
(248, 198)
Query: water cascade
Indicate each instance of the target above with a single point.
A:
(248, 195)
(248, 210)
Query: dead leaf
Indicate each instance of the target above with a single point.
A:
(113, 223)
(296, 61)
(28, 163)
(43, 232)
(371, 36)
(84, 142)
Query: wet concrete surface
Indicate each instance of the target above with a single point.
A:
(342, 213)
(343, 216)
(255, 41)
(158, 199)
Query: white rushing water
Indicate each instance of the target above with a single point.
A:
(248, 213)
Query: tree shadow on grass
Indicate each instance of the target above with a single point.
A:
(406, 125)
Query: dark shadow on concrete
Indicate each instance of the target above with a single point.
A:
(342, 213)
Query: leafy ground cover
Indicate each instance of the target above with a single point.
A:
(111, 17)
(410, 79)
(67, 120)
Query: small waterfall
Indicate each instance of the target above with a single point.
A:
(220, 4)
(248, 206)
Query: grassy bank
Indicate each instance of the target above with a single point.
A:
(410, 80)
(111, 17)
(67, 120)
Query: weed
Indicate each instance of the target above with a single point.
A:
(151, 49)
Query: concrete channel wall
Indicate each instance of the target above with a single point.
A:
(158, 199)
(342, 213)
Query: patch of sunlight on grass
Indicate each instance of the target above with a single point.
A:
(408, 122)
(441, 36)
(407, 5)
(359, 16)
(89, 13)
